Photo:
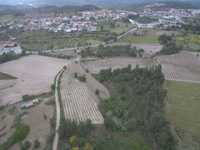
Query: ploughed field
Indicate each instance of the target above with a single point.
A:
(34, 75)
(184, 66)
(78, 101)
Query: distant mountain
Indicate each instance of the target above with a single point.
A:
(80, 2)
(20, 10)
(109, 3)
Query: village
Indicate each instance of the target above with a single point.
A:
(87, 21)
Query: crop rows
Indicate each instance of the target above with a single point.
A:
(78, 101)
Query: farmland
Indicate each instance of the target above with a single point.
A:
(19, 126)
(43, 40)
(34, 74)
(79, 102)
(182, 108)
(183, 67)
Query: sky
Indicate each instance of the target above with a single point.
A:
(70, 2)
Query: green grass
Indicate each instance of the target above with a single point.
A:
(120, 27)
(19, 135)
(183, 106)
(189, 41)
(149, 39)
(43, 40)
(6, 18)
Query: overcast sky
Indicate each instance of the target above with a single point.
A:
(70, 2)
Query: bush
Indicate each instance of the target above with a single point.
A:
(19, 135)
(82, 78)
(25, 146)
(36, 144)
(97, 92)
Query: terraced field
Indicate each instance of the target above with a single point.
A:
(79, 103)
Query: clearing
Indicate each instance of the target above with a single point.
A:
(34, 73)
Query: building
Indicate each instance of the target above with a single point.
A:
(6, 47)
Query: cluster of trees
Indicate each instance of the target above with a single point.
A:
(20, 133)
(137, 104)
(76, 134)
(111, 51)
(169, 44)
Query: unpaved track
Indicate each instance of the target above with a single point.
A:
(56, 137)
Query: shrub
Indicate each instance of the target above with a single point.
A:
(36, 144)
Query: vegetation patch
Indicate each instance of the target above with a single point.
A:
(183, 105)
(169, 45)
(140, 39)
(19, 135)
(189, 42)
(136, 104)
(111, 51)
(117, 27)
(44, 40)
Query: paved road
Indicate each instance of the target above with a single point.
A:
(56, 137)
(126, 33)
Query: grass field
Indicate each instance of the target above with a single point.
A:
(43, 40)
(189, 41)
(6, 18)
(183, 110)
(120, 27)
(148, 39)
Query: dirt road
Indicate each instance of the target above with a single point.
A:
(56, 137)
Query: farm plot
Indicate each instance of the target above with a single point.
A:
(79, 103)
(114, 63)
(34, 74)
(181, 67)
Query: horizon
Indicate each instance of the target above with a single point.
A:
(36, 3)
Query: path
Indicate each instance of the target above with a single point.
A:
(56, 137)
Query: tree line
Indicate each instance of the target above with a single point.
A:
(112, 51)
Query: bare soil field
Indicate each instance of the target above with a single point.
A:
(38, 118)
(34, 74)
(79, 102)
(114, 63)
(181, 67)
